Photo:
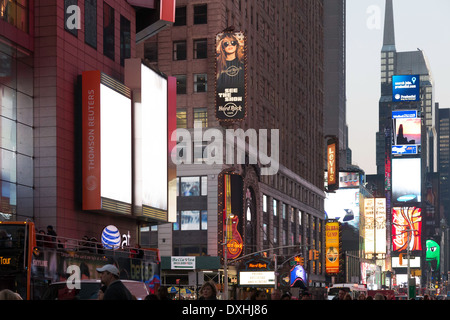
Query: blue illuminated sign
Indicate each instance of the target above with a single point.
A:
(406, 88)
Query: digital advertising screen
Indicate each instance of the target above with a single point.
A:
(406, 180)
(406, 228)
(375, 225)
(332, 245)
(343, 206)
(298, 277)
(256, 278)
(407, 133)
(405, 88)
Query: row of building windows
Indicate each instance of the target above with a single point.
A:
(90, 28)
(15, 12)
(200, 15)
(200, 82)
(200, 115)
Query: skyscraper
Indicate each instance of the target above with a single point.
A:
(285, 92)
(404, 63)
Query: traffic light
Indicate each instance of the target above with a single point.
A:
(310, 254)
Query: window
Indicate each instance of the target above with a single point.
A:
(201, 14)
(264, 203)
(204, 219)
(70, 19)
(179, 50)
(90, 23)
(200, 84)
(180, 16)
(151, 51)
(181, 83)
(275, 207)
(201, 114)
(190, 220)
(125, 39)
(108, 31)
(200, 49)
(193, 186)
(181, 118)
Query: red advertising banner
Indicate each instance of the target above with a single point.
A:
(407, 228)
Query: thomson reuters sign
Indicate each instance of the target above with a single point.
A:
(332, 246)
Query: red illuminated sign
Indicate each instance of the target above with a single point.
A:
(407, 228)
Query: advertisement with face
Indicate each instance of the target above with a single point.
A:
(230, 76)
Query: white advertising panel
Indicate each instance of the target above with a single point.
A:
(256, 278)
(115, 145)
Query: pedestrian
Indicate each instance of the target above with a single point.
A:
(340, 295)
(362, 297)
(115, 289)
(208, 291)
(379, 296)
(51, 232)
(162, 294)
(347, 296)
(286, 296)
(259, 295)
(275, 294)
(306, 296)
(7, 294)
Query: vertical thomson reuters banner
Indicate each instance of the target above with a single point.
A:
(333, 164)
(332, 247)
(230, 76)
(106, 144)
(91, 140)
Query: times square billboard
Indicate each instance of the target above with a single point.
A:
(343, 204)
(405, 88)
(407, 132)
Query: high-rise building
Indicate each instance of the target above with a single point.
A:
(335, 77)
(45, 47)
(404, 63)
(282, 213)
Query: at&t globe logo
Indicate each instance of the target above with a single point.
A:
(111, 237)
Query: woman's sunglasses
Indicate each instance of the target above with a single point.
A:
(232, 43)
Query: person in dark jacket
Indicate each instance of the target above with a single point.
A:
(208, 291)
(115, 289)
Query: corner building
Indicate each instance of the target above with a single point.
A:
(45, 47)
(282, 214)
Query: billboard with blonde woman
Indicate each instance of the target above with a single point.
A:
(230, 76)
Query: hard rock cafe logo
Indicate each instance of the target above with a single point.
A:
(232, 71)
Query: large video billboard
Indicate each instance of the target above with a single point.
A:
(406, 180)
(343, 206)
(407, 132)
(407, 228)
(106, 136)
(153, 121)
(375, 225)
(230, 76)
(405, 88)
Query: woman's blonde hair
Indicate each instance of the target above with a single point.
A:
(221, 60)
